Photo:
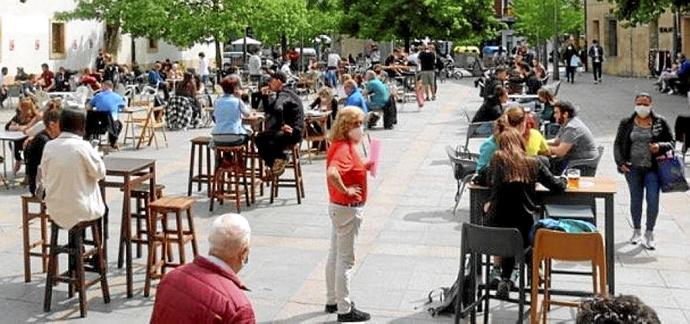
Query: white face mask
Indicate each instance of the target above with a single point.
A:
(356, 134)
(643, 111)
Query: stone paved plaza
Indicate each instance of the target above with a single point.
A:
(409, 242)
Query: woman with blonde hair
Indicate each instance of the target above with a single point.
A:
(347, 189)
(512, 177)
(21, 121)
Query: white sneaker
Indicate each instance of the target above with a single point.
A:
(636, 237)
(649, 242)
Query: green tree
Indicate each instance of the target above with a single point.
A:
(534, 19)
(646, 11)
(409, 19)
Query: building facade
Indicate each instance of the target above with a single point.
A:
(627, 49)
(30, 36)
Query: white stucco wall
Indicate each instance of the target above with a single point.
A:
(25, 24)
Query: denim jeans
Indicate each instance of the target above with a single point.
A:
(641, 180)
(331, 77)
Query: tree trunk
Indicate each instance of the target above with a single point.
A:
(219, 59)
(283, 45)
(111, 39)
(676, 27)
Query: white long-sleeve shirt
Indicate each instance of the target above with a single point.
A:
(70, 171)
(254, 65)
(203, 66)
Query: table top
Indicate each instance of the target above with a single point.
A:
(115, 166)
(523, 96)
(11, 135)
(588, 185)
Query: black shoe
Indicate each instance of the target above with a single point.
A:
(331, 308)
(354, 315)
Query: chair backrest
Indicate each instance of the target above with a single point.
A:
(592, 163)
(120, 89)
(321, 120)
(461, 162)
(42, 98)
(574, 247)
(14, 90)
(478, 130)
(496, 241)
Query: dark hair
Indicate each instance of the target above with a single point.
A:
(566, 107)
(44, 65)
(201, 54)
(594, 41)
(499, 70)
(73, 121)
(4, 69)
(621, 309)
(52, 115)
(108, 83)
(230, 84)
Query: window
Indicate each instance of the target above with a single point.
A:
(613, 38)
(57, 40)
(153, 46)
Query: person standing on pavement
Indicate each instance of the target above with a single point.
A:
(596, 52)
(346, 175)
(254, 66)
(332, 70)
(570, 52)
(203, 68)
(427, 64)
(641, 138)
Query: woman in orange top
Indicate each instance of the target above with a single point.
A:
(347, 190)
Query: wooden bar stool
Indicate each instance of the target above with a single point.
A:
(81, 260)
(296, 182)
(166, 236)
(140, 197)
(200, 178)
(27, 217)
(316, 132)
(254, 170)
(230, 169)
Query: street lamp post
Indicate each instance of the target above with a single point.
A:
(556, 57)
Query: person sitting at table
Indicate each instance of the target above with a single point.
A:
(574, 141)
(188, 88)
(379, 99)
(492, 107)
(35, 145)
(512, 178)
(547, 101)
(209, 289)
(47, 79)
(325, 102)
(26, 80)
(157, 82)
(21, 121)
(70, 172)
(3, 86)
(90, 79)
(392, 64)
(227, 114)
(175, 72)
(284, 124)
(110, 102)
(354, 96)
(62, 80)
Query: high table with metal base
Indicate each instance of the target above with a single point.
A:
(9, 136)
(134, 172)
(589, 190)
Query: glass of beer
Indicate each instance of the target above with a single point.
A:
(573, 178)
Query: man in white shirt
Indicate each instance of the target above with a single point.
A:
(70, 171)
(254, 66)
(332, 69)
(203, 67)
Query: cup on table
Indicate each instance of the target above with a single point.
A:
(573, 176)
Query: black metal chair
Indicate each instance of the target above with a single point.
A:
(464, 166)
(477, 131)
(478, 241)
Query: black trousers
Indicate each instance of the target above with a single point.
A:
(596, 70)
(272, 144)
(570, 73)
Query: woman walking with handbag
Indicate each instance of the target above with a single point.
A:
(641, 138)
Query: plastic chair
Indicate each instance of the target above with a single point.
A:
(553, 245)
(588, 167)
(491, 241)
(463, 170)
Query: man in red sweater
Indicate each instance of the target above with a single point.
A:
(209, 290)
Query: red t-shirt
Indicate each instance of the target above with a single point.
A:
(90, 81)
(344, 157)
(47, 77)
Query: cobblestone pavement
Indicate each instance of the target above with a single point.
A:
(409, 241)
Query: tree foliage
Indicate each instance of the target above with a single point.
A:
(645, 11)
(534, 19)
(409, 19)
